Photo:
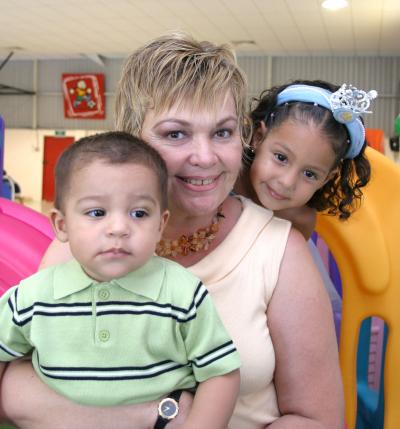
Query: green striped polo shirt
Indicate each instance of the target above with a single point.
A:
(132, 339)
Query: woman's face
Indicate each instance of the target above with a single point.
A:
(202, 150)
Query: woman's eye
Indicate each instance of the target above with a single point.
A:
(96, 213)
(310, 174)
(138, 213)
(175, 135)
(280, 157)
(223, 133)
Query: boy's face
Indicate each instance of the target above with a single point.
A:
(111, 218)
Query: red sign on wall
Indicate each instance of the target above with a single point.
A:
(84, 95)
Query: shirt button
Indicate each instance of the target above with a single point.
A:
(104, 335)
(104, 294)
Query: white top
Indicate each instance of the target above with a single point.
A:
(241, 274)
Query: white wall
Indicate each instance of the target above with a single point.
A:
(23, 158)
(394, 156)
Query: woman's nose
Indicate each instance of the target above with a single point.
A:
(204, 152)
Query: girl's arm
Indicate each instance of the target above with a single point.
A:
(29, 404)
(307, 374)
(302, 218)
(214, 402)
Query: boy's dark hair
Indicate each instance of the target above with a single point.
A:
(342, 194)
(114, 147)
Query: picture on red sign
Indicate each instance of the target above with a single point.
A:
(84, 96)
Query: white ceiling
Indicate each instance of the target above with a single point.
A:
(113, 28)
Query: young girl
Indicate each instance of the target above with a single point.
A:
(307, 155)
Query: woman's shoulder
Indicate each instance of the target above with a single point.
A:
(252, 213)
(256, 233)
(258, 229)
(250, 208)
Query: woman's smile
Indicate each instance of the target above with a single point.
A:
(198, 184)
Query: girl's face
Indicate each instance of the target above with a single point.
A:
(291, 163)
(202, 150)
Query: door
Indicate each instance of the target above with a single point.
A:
(53, 148)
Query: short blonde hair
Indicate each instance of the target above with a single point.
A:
(177, 69)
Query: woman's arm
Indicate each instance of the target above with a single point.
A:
(2, 366)
(214, 402)
(30, 404)
(307, 374)
(56, 253)
(2, 415)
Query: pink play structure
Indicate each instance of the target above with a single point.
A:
(24, 237)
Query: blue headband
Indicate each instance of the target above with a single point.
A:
(346, 105)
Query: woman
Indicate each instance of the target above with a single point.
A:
(187, 100)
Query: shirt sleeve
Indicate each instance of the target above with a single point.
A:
(13, 341)
(209, 348)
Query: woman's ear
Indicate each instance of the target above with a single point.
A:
(58, 221)
(259, 135)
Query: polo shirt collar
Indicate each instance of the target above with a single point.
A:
(70, 278)
(147, 280)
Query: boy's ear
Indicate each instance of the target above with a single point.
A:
(58, 221)
(259, 135)
(163, 221)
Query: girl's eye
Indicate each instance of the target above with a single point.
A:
(96, 213)
(310, 174)
(138, 213)
(223, 133)
(280, 157)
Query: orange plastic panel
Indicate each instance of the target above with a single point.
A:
(367, 251)
(375, 139)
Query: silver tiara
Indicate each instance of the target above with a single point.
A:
(348, 103)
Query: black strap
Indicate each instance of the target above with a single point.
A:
(176, 394)
(161, 422)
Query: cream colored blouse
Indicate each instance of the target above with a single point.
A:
(241, 274)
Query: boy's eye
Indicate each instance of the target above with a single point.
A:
(96, 213)
(138, 213)
(280, 157)
(310, 174)
(223, 133)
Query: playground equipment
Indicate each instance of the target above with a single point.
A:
(24, 237)
(366, 249)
